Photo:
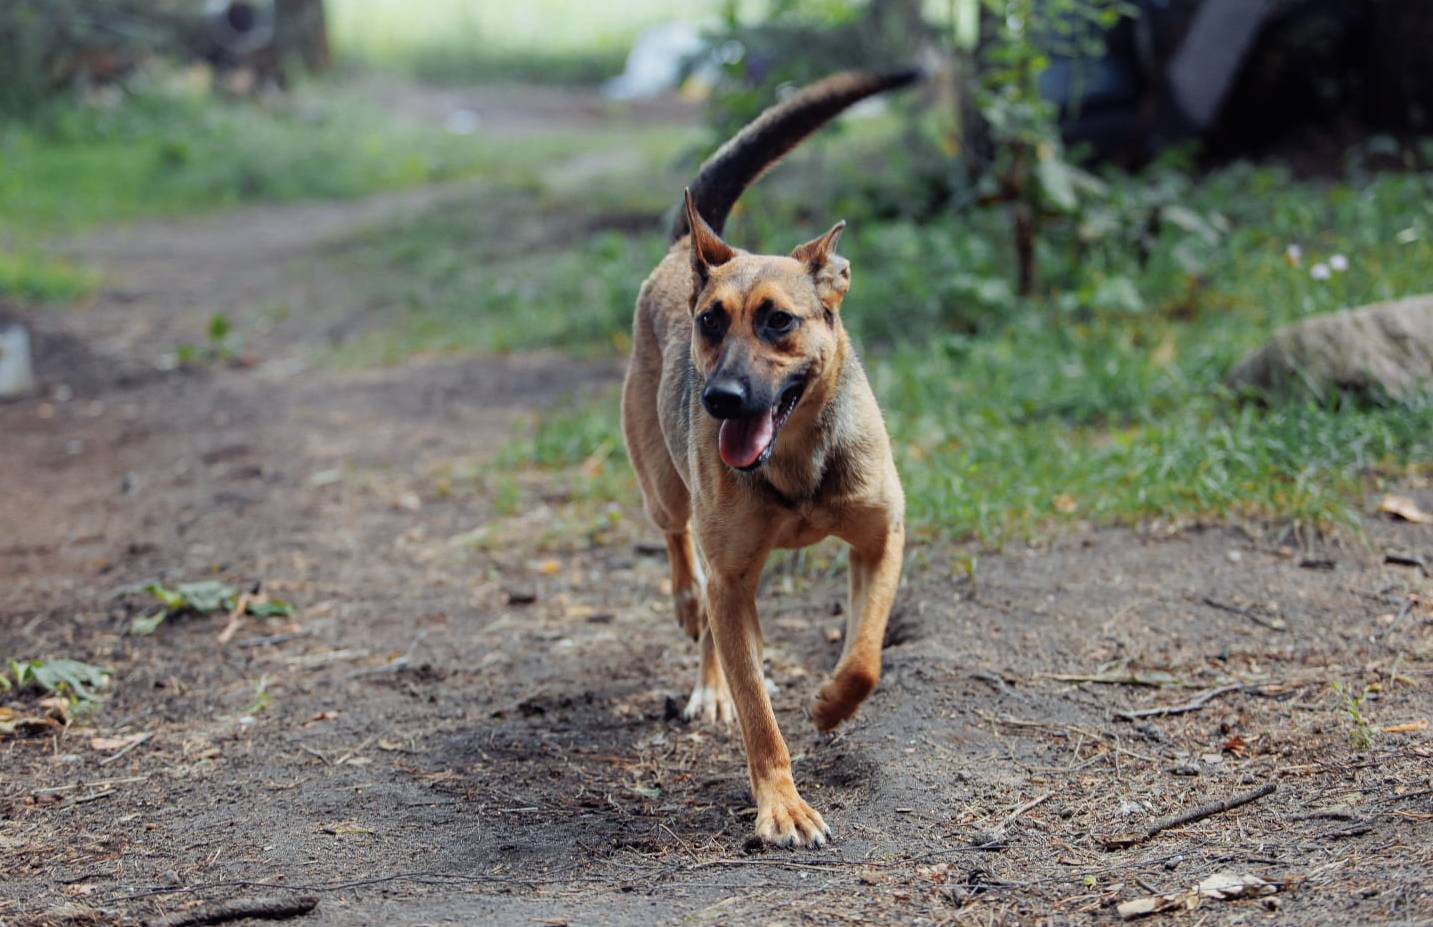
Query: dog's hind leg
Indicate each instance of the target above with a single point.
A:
(711, 699)
(875, 573)
(665, 495)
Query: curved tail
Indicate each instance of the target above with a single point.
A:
(780, 128)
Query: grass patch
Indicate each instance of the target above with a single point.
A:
(470, 41)
(172, 149)
(29, 278)
(1102, 399)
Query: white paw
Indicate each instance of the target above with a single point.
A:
(710, 705)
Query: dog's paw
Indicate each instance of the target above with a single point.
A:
(784, 819)
(711, 705)
(839, 698)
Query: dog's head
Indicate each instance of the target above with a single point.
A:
(765, 328)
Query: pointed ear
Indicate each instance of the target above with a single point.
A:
(830, 272)
(708, 250)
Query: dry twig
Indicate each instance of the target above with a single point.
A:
(1197, 813)
(1194, 704)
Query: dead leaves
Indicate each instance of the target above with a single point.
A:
(1403, 509)
(111, 744)
(1408, 727)
(53, 714)
(1221, 886)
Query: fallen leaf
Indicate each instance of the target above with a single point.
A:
(324, 716)
(549, 567)
(1219, 886)
(111, 744)
(1404, 508)
(1408, 727)
(1065, 503)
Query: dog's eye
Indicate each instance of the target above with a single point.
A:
(780, 322)
(710, 321)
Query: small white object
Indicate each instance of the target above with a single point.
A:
(1338, 263)
(654, 66)
(1320, 271)
(462, 122)
(1294, 255)
(17, 374)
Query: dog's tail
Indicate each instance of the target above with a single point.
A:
(756, 148)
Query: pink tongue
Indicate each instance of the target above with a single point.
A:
(742, 440)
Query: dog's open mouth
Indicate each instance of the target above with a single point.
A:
(745, 443)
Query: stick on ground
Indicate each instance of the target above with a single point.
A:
(272, 908)
(1197, 813)
(1194, 704)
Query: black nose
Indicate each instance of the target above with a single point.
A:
(725, 397)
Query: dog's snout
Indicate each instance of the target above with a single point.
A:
(725, 397)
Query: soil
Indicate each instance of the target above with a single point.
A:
(451, 732)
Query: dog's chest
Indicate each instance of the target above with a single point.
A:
(802, 526)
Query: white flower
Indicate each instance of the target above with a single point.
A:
(1320, 271)
(1338, 263)
(1293, 254)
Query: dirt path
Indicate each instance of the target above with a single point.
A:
(423, 748)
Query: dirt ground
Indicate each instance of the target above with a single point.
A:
(449, 732)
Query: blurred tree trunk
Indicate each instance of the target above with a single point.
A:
(301, 29)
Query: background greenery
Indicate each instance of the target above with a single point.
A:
(1096, 395)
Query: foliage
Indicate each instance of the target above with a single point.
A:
(48, 45)
(29, 277)
(77, 681)
(470, 41)
(170, 147)
(1360, 732)
(201, 598)
(221, 343)
(1102, 401)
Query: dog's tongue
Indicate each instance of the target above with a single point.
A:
(742, 440)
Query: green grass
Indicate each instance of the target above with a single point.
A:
(465, 41)
(1100, 400)
(28, 278)
(170, 149)
(166, 152)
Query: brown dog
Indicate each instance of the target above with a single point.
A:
(751, 425)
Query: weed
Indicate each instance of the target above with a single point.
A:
(262, 699)
(221, 344)
(203, 598)
(1360, 733)
(73, 680)
(27, 277)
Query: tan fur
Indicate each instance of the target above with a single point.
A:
(829, 473)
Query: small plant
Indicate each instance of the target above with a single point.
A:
(73, 680)
(203, 598)
(1031, 169)
(262, 699)
(221, 344)
(1360, 732)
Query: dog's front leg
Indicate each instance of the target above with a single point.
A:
(875, 573)
(782, 817)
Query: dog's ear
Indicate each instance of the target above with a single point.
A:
(708, 250)
(829, 271)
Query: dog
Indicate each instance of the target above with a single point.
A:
(751, 426)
